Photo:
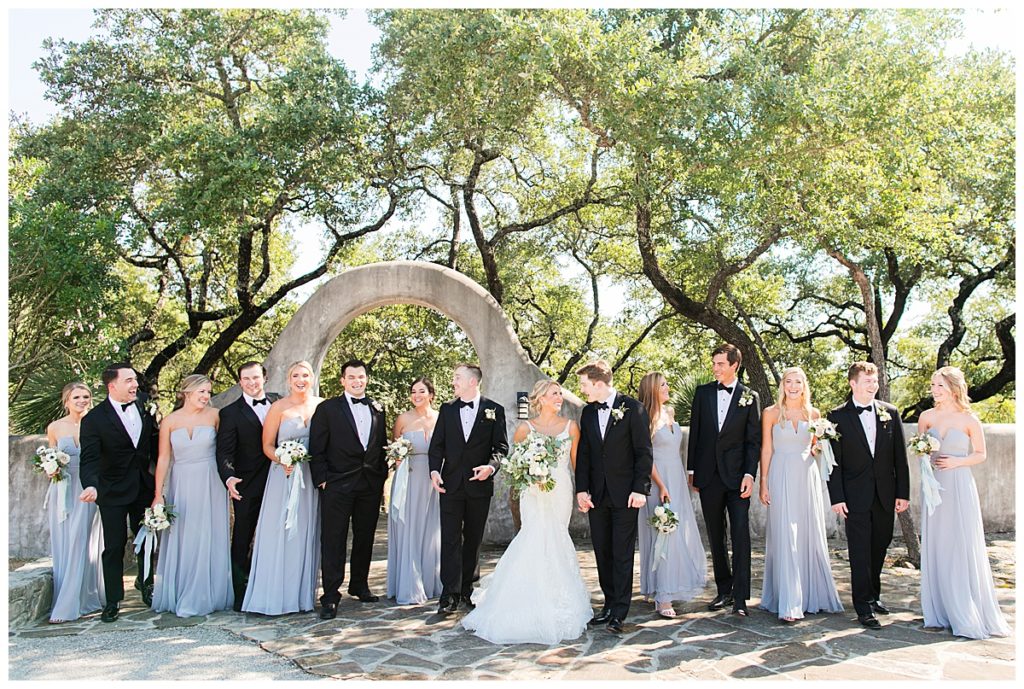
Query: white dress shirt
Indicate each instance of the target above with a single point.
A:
(363, 419)
(260, 409)
(724, 400)
(468, 416)
(131, 419)
(869, 422)
(604, 414)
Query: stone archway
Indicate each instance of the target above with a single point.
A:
(507, 369)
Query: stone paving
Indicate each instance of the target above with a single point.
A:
(385, 641)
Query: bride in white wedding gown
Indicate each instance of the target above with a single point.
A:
(536, 593)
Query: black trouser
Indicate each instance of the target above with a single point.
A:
(462, 529)
(337, 507)
(868, 535)
(716, 500)
(247, 512)
(613, 532)
(115, 520)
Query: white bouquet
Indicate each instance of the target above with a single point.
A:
(157, 518)
(923, 445)
(291, 452)
(664, 519)
(532, 462)
(397, 451)
(826, 432)
(823, 429)
(50, 461)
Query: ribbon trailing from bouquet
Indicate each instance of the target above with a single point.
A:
(826, 459)
(63, 507)
(929, 485)
(291, 516)
(401, 489)
(146, 540)
(660, 547)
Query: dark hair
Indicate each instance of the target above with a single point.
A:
(110, 373)
(354, 363)
(426, 383)
(473, 369)
(860, 367)
(597, 370)
(250, 364)
(732, 353)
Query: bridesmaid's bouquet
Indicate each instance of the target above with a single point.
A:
(532, 463)
(923, 445)
(825, 431)
(156, 519)
(291, 452)
(50, 461)
(664, 519)
(397, 451)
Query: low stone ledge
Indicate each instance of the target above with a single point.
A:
(30, 593)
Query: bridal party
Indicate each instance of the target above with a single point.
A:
(263, 504)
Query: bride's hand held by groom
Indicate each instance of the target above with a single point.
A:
(584, 502)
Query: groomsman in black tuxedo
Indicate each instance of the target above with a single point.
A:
(243, 467)
(465, 452)
(613, 479)
(869, 483)
(119, 442)
(347, 439)
(721, 457)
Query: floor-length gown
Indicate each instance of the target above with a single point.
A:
(536, 593)
(414, 531)
(75, 543)
(286, 562)
(797, 570)
(193, 571)
(681, 574)
(957, 591)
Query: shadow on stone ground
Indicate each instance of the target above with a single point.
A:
(385, 641)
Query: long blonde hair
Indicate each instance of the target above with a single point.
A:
(189, 384)
(540, 388)
(805, 398)
(650, 386)
(957, 384)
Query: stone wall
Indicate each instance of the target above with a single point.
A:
(29, 531)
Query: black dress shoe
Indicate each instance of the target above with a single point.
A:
(147, 595)
(878, 608)
(869, 621)
(615, 625)
(109, 613)
(720, 601)
(366, 597)
(447, 605)
(601, 618)
(328, 611)
(467, 600)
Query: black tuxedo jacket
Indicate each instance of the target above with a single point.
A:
(454, 456)
(240, 444)
(858, 476)
(733, 451)
(336, 455)
(621, 462)
(118, 470)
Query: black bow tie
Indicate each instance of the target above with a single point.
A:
(861, 410)
(600, 405)
(124, 407)
(460, 404)
(727, 388)
(259, 401)
(360, 400)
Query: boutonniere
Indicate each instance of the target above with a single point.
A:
(883, 415)
(376, 405)
(619, 411)
(152, 409)
(489, 414)
(746, 398)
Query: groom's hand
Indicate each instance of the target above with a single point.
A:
(232, 490)
(637, 500)
(88, 495)
(747, 486)
(435, 480)
(482, 472)
(840, 509)
(583, 501)
(902, 505)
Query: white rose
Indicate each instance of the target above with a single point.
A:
(158, 510)
(659, 510)
(50, 465)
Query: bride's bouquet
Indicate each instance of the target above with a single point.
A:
(664, 521)
(156, 519)
(51, 461)
(532, 463)
(397, 451)
(923, 445)
(291, 452)
(825, 431)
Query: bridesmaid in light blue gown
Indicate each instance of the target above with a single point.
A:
(193, 571)
(681, 574)
(286, 551)
(76, 537)
(957, 591)
(414, 513)
(797, 570)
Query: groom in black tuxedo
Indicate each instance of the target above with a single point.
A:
(347, 436)
(465, 453)
(869, 483)
(721, 457)
(613, 479)
(243, 467)
(119, 442)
